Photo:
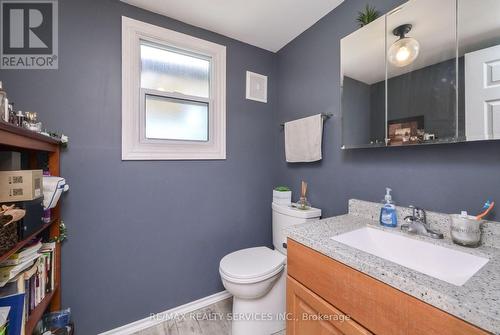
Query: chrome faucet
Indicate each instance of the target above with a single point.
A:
(417, 224)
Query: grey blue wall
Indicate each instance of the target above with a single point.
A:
(146, 236)
(445, 178)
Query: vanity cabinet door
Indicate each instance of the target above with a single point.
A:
(308, 314)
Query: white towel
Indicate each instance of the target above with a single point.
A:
(303, 139)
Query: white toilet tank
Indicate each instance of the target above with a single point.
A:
(286, 216)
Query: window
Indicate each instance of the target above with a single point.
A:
(176, 89)
(173, 95)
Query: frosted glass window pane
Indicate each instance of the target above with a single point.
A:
(170, 71)
(174, 119)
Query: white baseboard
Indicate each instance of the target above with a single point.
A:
(184, 309)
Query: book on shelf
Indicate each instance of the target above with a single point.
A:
(23, 255)
(12, 296)
(4, 317)
(8, 273)
(48, 250)
(33, 278)
(39, 279)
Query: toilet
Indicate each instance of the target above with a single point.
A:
(256, 277)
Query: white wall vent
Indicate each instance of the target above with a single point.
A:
(256, 87)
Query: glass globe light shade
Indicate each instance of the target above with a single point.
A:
(404, 51)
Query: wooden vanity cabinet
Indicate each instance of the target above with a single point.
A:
(320, 285)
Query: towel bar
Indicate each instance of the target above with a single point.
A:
(325, 116)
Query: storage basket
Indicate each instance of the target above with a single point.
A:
(8, 237)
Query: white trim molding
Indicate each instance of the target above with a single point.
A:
(134, 144)
(163, 316)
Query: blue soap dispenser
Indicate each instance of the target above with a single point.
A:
(388, 216)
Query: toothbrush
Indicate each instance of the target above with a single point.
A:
(488, 206)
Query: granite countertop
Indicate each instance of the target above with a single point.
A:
(477, 301)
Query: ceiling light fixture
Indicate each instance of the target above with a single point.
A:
(405, 50)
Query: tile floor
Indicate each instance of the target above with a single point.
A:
(195, 324)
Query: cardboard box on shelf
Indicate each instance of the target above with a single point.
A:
(20, 185)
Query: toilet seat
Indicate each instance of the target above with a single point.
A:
(251, 265)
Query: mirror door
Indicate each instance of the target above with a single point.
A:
(421, 73)
(479, 48)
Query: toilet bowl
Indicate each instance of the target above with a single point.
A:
(256, 277)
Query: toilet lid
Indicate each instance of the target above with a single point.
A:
(252, 263)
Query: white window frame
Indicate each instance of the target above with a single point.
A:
(135, 145)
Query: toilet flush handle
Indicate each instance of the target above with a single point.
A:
(284, 245)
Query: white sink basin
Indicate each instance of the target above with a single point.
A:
(452, 266)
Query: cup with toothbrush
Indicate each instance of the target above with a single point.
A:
(465, 230)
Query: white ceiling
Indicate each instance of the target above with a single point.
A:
(268, 24)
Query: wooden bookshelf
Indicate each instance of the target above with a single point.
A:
(14, 138)
(20, 138)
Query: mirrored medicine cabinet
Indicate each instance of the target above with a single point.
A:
(427, 72)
